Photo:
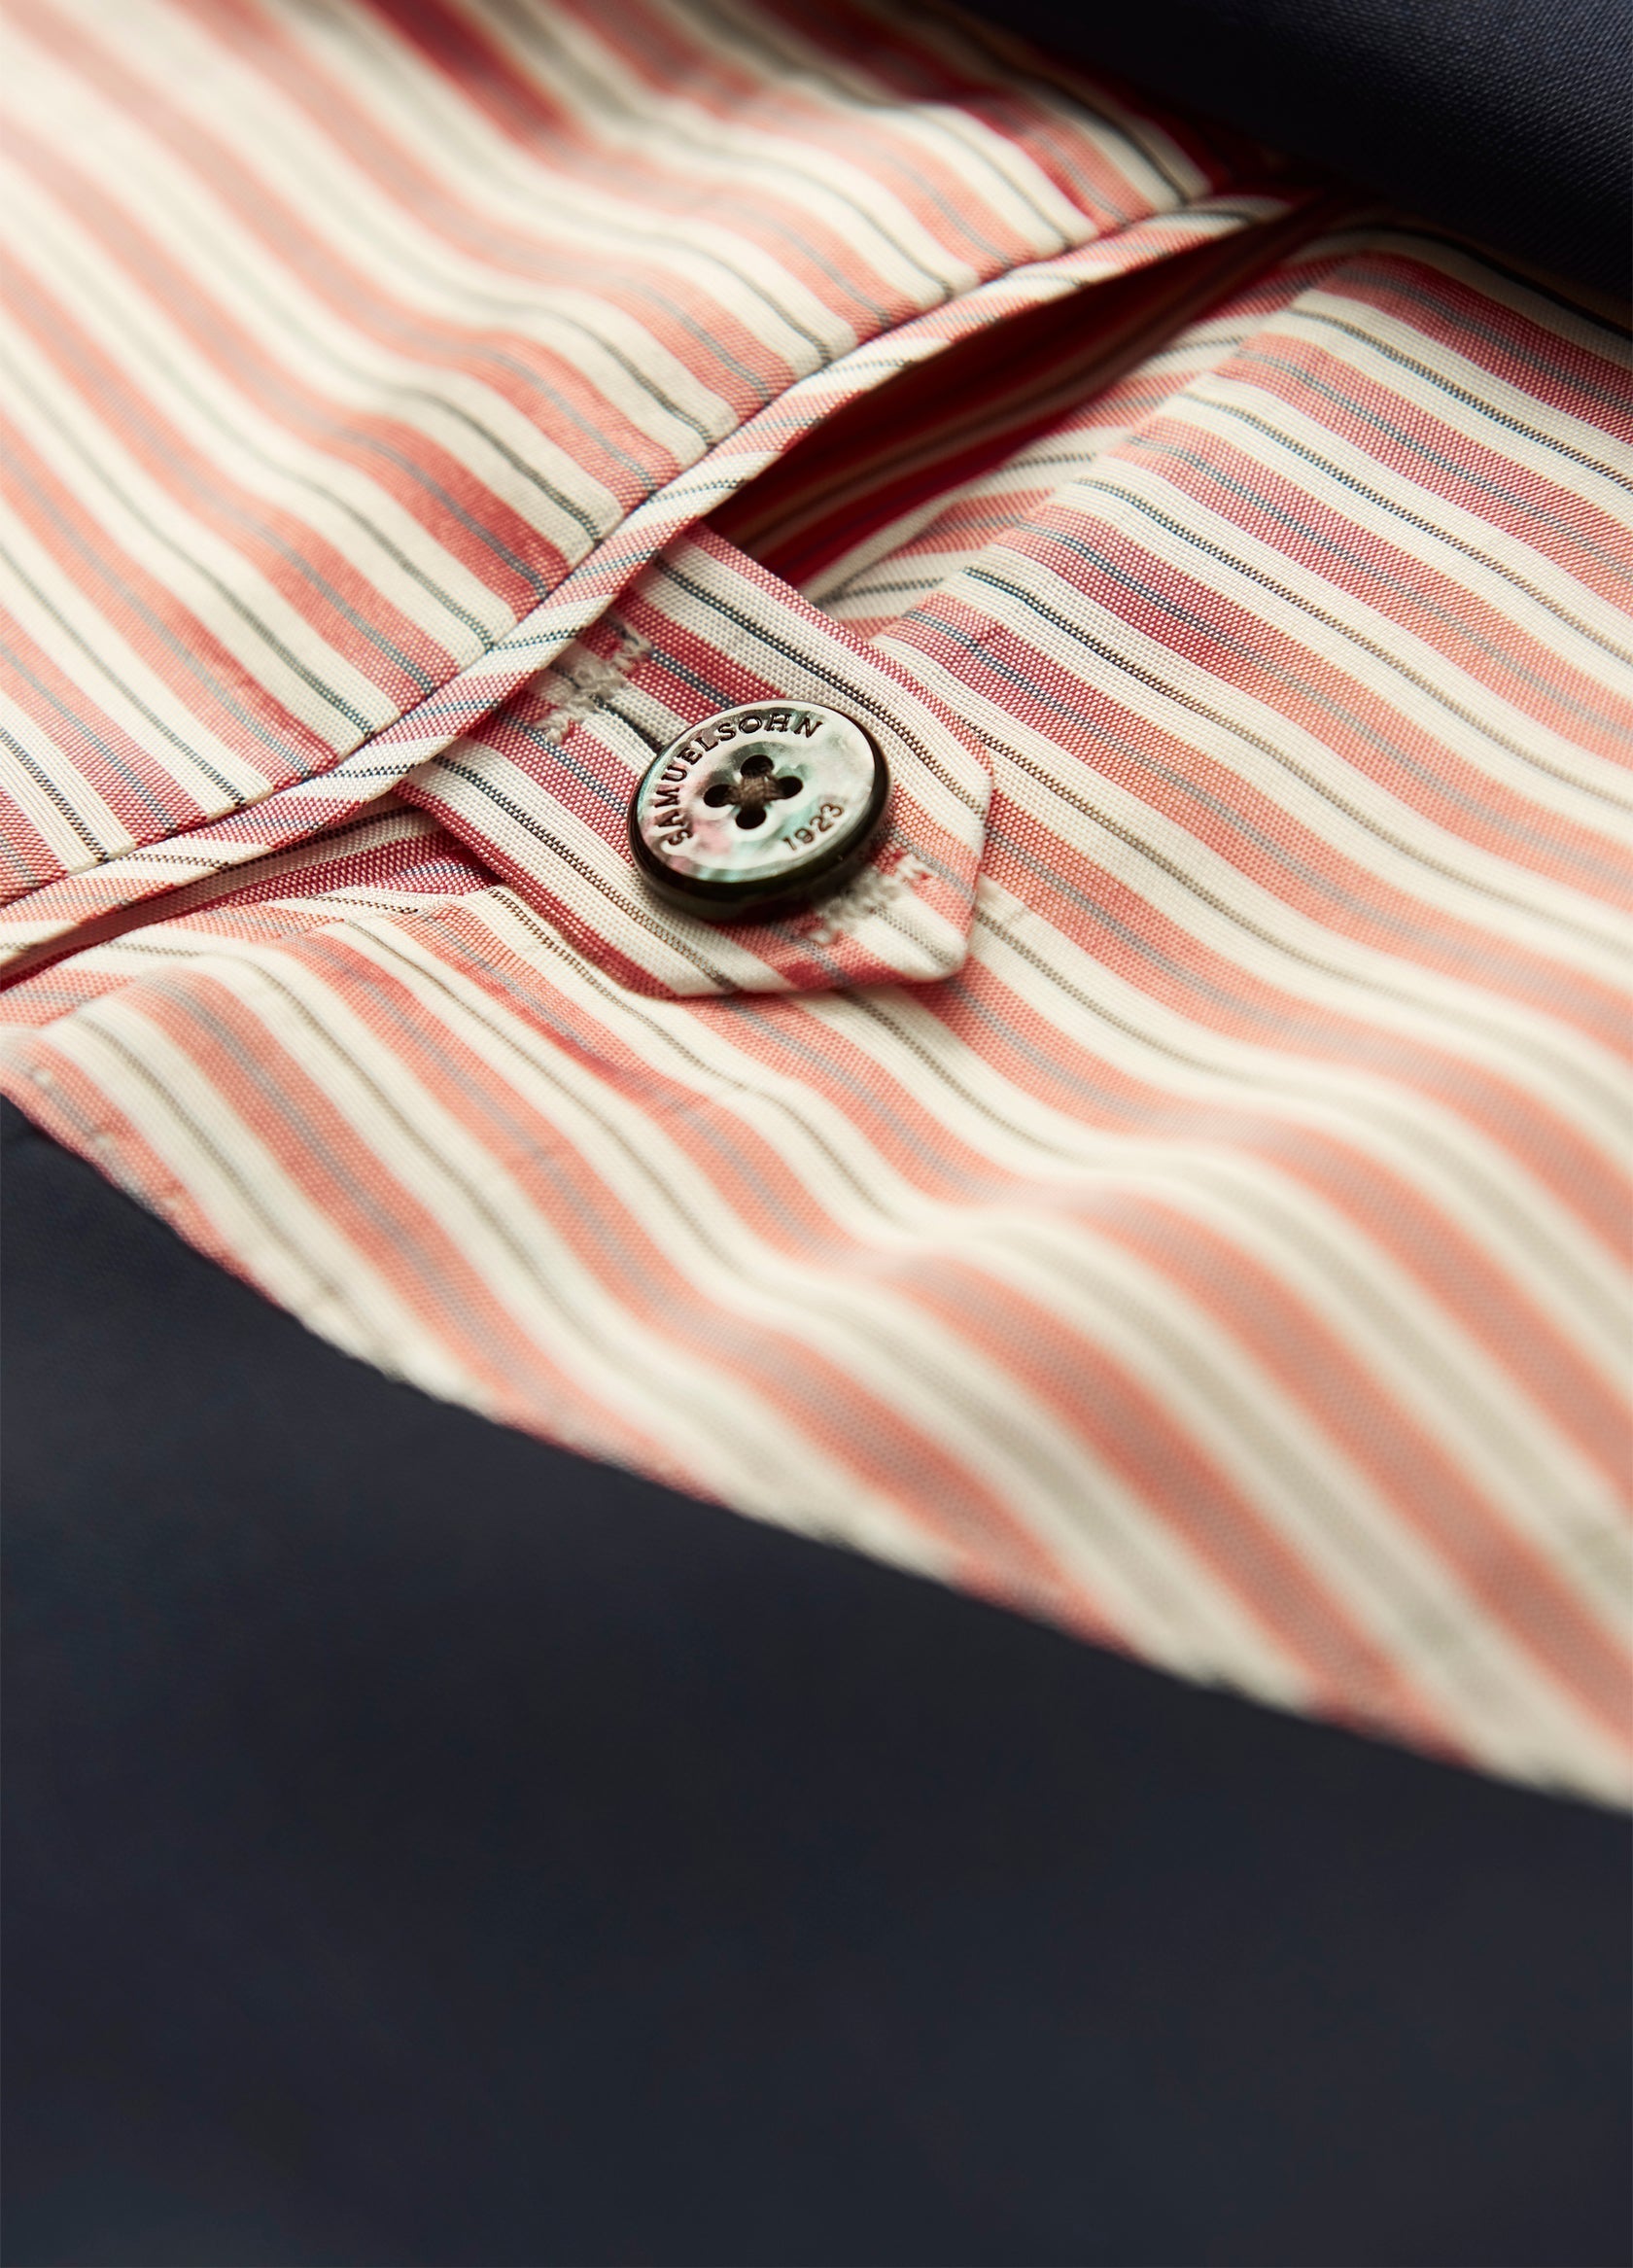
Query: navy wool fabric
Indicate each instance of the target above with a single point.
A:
(1508, 119)
(427, 1847)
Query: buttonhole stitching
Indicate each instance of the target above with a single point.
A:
(875, 889)
(580, 682)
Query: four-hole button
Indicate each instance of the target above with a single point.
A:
(758, 809)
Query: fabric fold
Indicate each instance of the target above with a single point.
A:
(327, 791)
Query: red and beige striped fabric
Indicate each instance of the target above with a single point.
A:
(1178, 1188)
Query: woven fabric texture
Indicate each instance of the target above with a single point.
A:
(1177, 1188)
